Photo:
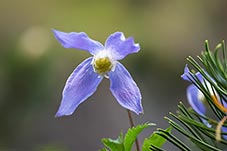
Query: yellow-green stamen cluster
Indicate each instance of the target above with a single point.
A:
(102, 65)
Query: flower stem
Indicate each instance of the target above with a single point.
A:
(132, 125)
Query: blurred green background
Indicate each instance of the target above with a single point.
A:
(34, 66)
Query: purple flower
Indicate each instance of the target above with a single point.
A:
(195, 97)
(85, 79)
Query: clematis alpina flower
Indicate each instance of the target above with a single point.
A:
(195, 97)
(85, 79)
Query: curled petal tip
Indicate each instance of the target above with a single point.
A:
(138, 112)
(142, 112)
(60, 114)
(121, 46)
(57, 115)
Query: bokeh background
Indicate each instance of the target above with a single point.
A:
(34, 66)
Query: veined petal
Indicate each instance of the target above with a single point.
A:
(119, 46)
(78, 41)
(125, 90)
(81, 84)
(193, 98)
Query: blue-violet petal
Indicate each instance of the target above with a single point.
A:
(119, 46)
(78, 41)
(125, 90)
(187, 74)
(224, 129)
(194, 100)
(81, 84)
(196, 103)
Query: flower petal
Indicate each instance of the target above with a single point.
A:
(224, 129)
(187, 74)
(119, 46)
(78, 41)
(193, 98)
(125, 90)
(81, 84)
(194, 101)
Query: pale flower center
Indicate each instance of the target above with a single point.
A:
(102, 65)
(103, 62)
